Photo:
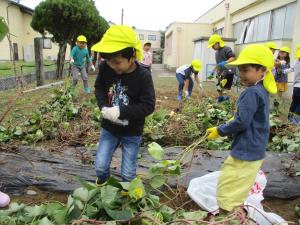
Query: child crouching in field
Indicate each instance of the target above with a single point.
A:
(249, 128)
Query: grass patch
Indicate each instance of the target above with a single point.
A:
(6, 68)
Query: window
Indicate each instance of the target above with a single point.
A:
(220, 31)
(141, 36)
(152, 37)
(289, 20)
(258, 29)
(283, 20)
(275, 24)
(238, 32)
(261, 27)
(278, 17)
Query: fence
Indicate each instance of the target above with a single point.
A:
(13, 81)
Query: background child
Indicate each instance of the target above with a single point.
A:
(282, 63)
(294, 115)
(224, 55)
(125, 95)
(250, 127)
(147, 59)
(79, 55)
(183, 75)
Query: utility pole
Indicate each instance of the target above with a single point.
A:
(122, 16)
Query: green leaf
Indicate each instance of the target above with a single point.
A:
(136, 189)
(114, 182)
(37, 210)
(125, 214)
(81, 193)
(70, 202)
(91, 211)
(157, 181)
(45, 221)
(293, 147)
(212, 145)
(2, 129)
(108, 194)
(196, 215)
(167, 212)
(88, 185)
(13, 208)
(297, 210)
(156, 151)
(18, 131)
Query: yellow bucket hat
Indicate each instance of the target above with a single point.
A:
(261, 55)
(118, 37)
(285, 49)
(271, 45)
(215, 38)
(297, 54)
(197, 65)
(81, 38)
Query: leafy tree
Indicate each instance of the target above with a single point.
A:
(3, 28)
(162, 36)
(65, 20)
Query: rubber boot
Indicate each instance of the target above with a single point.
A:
(87, 90)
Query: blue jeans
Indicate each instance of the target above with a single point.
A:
(107, 145)
(181, 78)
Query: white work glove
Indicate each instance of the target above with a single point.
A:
(71, 61)
(93, 68)
(289, 70)
(282, 62)
(200, 86)
(111, 113)
(186, 93)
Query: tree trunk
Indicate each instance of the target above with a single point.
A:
(60, 60)
(39, 61)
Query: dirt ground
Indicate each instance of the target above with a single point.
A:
(166, 92)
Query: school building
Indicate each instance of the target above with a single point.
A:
(18, 17)
(247, 21)
(154, 37)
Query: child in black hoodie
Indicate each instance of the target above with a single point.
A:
(125, 95)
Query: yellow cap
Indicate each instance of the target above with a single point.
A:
(197, 65)
(261, 55)
(81, 38)
(271, 45)
(118, 37)
(297, 54)
(285, 49)
(215, 38)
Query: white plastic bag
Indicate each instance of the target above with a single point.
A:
(203, 191)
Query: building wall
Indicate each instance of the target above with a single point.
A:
(247, 9)
(179, 43)
(155, 44)
(23, 35)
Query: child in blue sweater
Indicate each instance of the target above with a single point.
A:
(249, 128)
(79, 55)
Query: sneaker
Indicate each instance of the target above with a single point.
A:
(219, 99)
(179, 98)
(4, 199)
(87, 90)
